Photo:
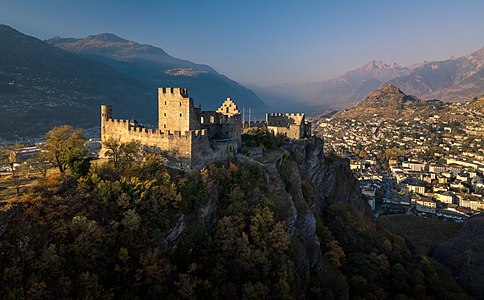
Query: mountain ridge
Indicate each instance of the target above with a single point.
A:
(42, 86)
(155, 67)
(455, 79)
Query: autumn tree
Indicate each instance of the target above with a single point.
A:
(122, 154)
(65, 145)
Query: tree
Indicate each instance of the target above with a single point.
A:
(113, 150)
(9, 156)
(63, 144)
(122, 154)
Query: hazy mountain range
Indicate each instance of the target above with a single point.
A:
(455, 79)
(155, 68)
(43, 85)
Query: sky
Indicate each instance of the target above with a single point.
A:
(268, 42)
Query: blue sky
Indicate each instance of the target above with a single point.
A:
(268, 42)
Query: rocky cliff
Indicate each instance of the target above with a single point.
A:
(306, 183)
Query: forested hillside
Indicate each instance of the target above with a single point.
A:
(293, 228)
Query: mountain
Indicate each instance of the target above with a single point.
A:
(456, 79)
(450, 80)
(388, 100)
(339, 92)
(43, 86)
(155, 68)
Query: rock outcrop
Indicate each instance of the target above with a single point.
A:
(304, 183)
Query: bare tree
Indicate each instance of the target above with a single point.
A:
(9, 156)
(41, 163)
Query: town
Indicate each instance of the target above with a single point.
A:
(430, 165)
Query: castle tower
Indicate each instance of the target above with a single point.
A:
(106, 113)
(176, 111)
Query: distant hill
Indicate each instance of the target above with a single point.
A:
(388, 101)
(43, 86)
(154, 67)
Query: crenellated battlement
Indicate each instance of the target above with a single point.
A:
(117, 121)
(134, 132)
(174, 91)
(285, 114)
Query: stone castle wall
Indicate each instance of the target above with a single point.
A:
(293, 125)
(293, 131)
(176, 144)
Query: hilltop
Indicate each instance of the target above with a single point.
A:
(387, 101)
(391, 105)
(477, 104)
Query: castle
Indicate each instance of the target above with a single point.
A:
(190, 137)
(293, 126)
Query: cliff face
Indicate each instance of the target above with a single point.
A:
(304, 183)
(331, 177)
